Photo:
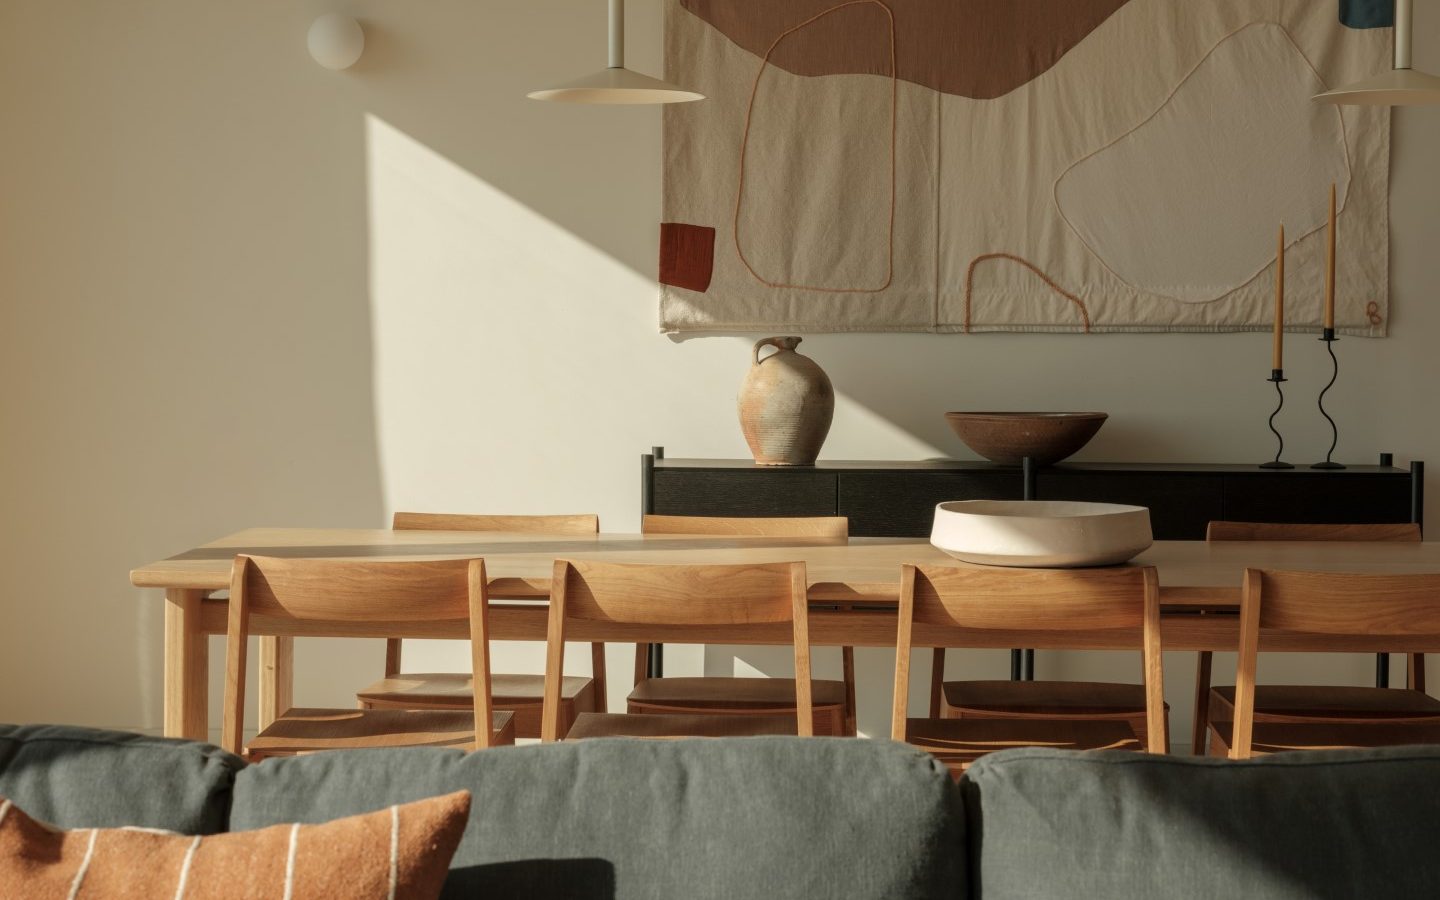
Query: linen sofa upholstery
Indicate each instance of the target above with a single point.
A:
(88, 778)
(1044, 823)
(741, 818)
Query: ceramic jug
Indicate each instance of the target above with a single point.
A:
(786, 404)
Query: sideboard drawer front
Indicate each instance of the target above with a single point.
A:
(902, 504)
(1327, 498)
(743, 492)
(1181, 506)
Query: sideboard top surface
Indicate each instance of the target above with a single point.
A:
(963, 465)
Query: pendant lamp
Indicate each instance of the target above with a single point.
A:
(1401, 86)
(617, 84)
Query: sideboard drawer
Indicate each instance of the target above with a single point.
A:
(1317, 497)
(1181, 505)
(743, 492)
(902, 504)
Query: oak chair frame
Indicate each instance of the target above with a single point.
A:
(705, 597)
(757, 526)
(355, 591)
(949, 603)
(1397, 610)
(1396, 532)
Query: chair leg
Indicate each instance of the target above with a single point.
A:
(937, 680)
(642, 663)
(1415, 673)
(597, 675)
(847, 665)
(1202, 702)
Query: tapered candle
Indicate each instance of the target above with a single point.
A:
(1330, 266)
(1278, 352)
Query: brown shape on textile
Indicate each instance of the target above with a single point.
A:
(980, 49)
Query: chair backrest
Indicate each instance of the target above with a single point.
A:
(563, 524)
(1278, 531)
(727, 597)
(355, 591)
(1400, 612)
(951, 604)
(746, 526)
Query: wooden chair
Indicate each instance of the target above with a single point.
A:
(834, 700)
(1395, 612)
(361, 592)
(520, 694)
(702, 599)
(1304, 703)
(948, 606)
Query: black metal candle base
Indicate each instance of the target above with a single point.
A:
(1277, 377)
(1328, 336)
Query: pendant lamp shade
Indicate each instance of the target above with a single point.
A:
(1401, 86)
(616, 84)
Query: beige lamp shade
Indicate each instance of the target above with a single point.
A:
(616, 84)
(1401, 86)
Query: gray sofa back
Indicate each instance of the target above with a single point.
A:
(87, 778)
(745, 818)
(1045, 823)
(800, 817)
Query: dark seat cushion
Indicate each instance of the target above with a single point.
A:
(87, 778)
(616, 818)
(1127, 825)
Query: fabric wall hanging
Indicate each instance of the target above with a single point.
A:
(1045, 165)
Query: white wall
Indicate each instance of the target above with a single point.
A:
(237, 289)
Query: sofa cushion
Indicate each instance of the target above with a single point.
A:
(1128, 825)
(87, 778)
(735, 818)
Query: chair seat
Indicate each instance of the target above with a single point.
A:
(302, 730)
(1284, 702)
(451, 690)
(758, 694)
(1280, 737)
(595, 725)
(959, 742)
(1046, 698)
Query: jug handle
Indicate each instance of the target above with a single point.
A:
(781, 343)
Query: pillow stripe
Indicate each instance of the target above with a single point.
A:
(185, 868)
(394, 849)
(290, 862)
(84, 865)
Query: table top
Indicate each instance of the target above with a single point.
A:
(1192, 573)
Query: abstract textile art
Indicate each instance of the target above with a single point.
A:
(1020, 165)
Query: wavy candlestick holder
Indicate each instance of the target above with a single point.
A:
(1277, 377)
(1328, 336)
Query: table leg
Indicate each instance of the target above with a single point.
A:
(277, 678)
(187, 667)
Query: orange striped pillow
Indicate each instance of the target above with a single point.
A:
(400, 853)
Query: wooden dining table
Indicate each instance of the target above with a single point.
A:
(854, 587)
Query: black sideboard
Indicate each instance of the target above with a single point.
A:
(897, 499)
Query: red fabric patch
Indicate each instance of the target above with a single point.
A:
(687, 255)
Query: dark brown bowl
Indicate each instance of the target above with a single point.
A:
(1009, 437)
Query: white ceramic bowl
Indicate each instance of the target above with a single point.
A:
(1041, 533)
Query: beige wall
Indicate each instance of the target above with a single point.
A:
(237, 289)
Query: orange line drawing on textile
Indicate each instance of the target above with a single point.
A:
(745, 143)
(1372, 312)
(970, 283)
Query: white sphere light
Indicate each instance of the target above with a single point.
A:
(336, 41)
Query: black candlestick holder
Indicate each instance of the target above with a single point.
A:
(1328, 336)
(1277, 377)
